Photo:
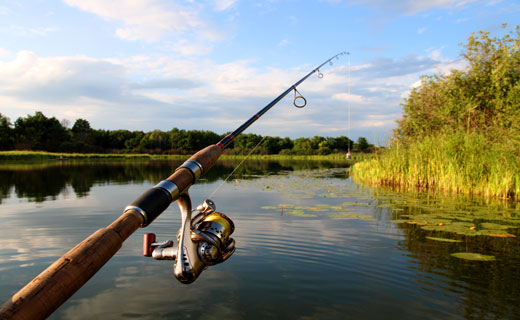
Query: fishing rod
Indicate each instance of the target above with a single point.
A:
(203, 239)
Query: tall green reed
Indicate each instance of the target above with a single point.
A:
(457, 163)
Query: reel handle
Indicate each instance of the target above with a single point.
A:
(148, 239)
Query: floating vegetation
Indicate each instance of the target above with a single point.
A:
(300, 213)
(334, 212)
(443, 239)
(495, 226)
(356, 204)
(462, 222)
(440, 217)
(496, 233)
(351, 215)
(473, 256)
(269, 208)
(298, 195)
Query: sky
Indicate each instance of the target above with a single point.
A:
(212, 64)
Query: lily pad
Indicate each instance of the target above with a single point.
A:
(317, 209)
(473, 256)
(495, 226)
(497, 233)
(400, 221)
(461, 228)
(443, 239)
(351, 215)
(300, 213)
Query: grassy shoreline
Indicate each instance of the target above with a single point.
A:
(459, 163)
(43, 155)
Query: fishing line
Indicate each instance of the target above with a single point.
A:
(348, 100)
(236, 168)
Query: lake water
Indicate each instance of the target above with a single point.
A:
(311, 244)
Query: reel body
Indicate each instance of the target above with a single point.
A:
(203, 240)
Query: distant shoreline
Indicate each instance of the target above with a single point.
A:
(61, 156)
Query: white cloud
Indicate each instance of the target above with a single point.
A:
(221, 5)
(146, 20)
(4, 11)
(185, 48)
(59, 78)
(409, 7)
(376, 121)
(283, 42)
(421, 30)
(161, 92)
(461, 20)
(348, 97)
(25, 31)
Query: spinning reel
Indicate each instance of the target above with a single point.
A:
(203, 240)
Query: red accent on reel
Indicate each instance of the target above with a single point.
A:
(148, 239)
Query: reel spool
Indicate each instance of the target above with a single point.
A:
(203, 240)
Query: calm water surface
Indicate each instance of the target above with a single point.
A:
(311, 244)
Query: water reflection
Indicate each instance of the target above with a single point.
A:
(310, 245)
(46, 180)
(487, 289)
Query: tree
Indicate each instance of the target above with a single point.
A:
(117, 138)
(247, 141)
(82, 132)
(484, 98)
(6, 132)
(39, 133)
(302, 146)
(133, 143)
(156, 139)
(323, 147)
(315, 142)
(286, 143)
(340, 144)
(362, 144)
(273, 145)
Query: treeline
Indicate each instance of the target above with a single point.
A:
(38, 132)
(460, 132)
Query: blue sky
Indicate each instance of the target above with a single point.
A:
(210, 65)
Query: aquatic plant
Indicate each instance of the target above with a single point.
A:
(473, 256)
(449, 163)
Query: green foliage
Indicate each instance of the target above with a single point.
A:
(323, 147)
(39, 133)
(6, 141)
(483, 98)
(460, 132)
(362, 145)
(273, 145)
(458, 163)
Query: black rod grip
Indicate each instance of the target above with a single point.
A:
(152, 203)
